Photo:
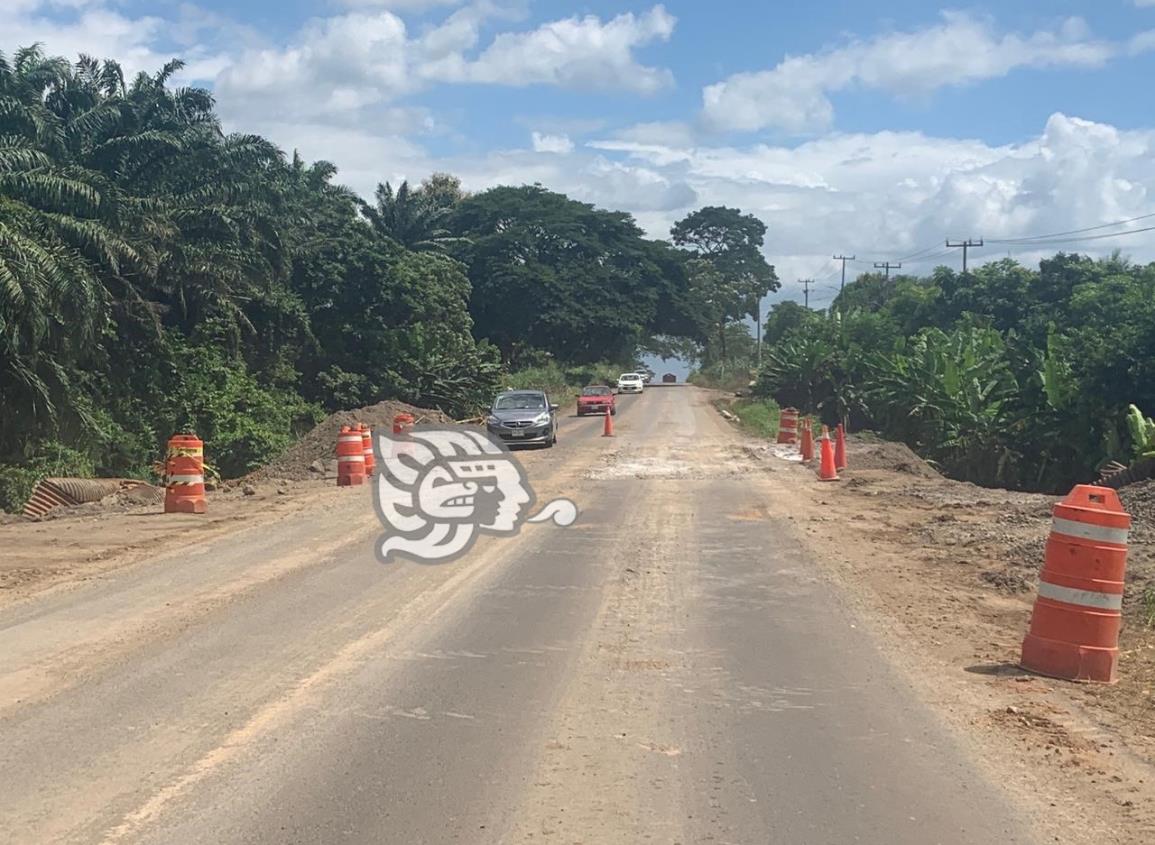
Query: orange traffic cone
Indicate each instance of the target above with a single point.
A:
(840, 448)
(807, 440)
(608, 430)
(826, 470)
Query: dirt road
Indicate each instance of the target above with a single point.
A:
(677, 667)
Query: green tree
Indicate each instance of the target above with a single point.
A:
(550, 273)
(731, 275)
(414, 219)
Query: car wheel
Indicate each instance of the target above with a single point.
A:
(613, 412)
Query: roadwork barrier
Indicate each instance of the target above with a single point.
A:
(184, 475)
(367, 450)
(1074, 629)
(788, 425)
(350, 457)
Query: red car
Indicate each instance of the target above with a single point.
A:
(596, 399)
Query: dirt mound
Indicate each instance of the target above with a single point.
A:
(296, 463)
(1139, 500)
(866, 451)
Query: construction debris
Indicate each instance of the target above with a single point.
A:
(52, 493)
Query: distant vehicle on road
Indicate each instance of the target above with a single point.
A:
(669, 378)
(523, 416)
(596, 399)
(630, 383)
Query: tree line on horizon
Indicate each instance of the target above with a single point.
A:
(1033, 379)
(158, 274)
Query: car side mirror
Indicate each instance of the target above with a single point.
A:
(554, 407)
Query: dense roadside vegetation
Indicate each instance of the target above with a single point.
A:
(1006, 376)
(158, 274)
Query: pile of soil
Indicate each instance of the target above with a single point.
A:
(1139, 500)
(868, 452)
(299, 462)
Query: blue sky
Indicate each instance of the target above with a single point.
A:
(870, 128)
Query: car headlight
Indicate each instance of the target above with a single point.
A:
(541, 418)
(492, 420)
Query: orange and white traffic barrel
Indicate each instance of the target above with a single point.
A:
(350, 457)
(1074, 631)
(184, 490)
(367, 449)
(402, 446)
(788, 425)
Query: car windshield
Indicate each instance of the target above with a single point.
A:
(520, 402)
(629, 377)
(596, 391)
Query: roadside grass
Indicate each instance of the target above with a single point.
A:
(757, 416)
(1147, 606)
(736, 379)
(760, 417)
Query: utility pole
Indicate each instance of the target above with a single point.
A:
(844, 259)
(806, 283)
(887, 266)
(758, 325)
(967, 244)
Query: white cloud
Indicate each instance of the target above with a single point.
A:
(86, 26)
(889, 194)
(339, 65)
(98, 28)
(400, 5)
(960, 50)
(883, 195)
(338, 91)
(572, 53)
(551, 143)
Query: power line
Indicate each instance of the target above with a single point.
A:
(942, 253)
(935, 252)
(1028, 238)
(806, 283)
(921, 252)
(887, 266)
(843, 259)
(1061, 241)
(966, 245)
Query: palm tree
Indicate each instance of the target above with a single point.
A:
(407, 218)
(58, 234)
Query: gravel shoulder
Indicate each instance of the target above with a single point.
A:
(945, 573)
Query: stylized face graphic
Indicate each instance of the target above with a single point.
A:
(437, 488)
(487, 492)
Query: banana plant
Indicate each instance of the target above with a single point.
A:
(1142, 430)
